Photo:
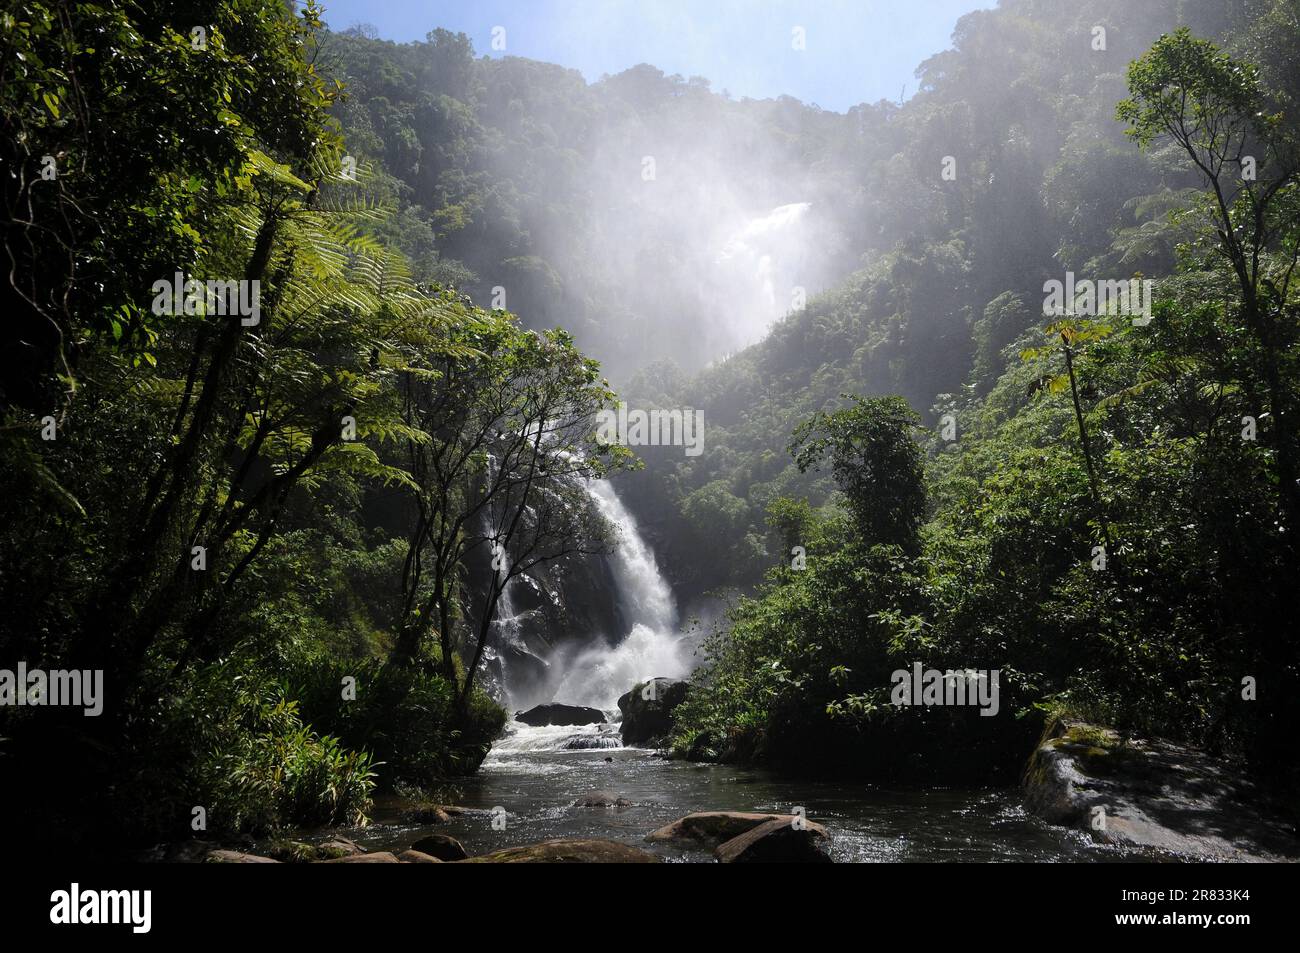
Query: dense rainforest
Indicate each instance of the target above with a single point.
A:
(251, 512)
(933, 291)
(277, 446)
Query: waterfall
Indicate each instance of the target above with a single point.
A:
(644, 595)
(597, 676)
(756, 270)
(507, 629)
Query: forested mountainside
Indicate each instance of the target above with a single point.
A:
(1109, 501)
(574, 202)
(519, 176)
(277, 446)
(1046, 183)
(942, 304)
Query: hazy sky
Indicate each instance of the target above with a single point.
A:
(856, 50)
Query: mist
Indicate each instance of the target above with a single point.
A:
(692, 235)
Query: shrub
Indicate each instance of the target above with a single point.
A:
(405, 717)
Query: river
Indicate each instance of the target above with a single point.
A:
(536, 780)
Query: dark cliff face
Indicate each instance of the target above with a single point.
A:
(577, 598)
(554, 609)
(557, 608)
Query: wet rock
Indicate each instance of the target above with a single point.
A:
(557, 608)
(378, 857)
(569, 852)
(778, 841)
(711, 828)
(648, 710)
(516, 667)
(416, 857)
(237, 857)
(557, 714)
(602, 799)
(340, 846)
(590, 742)
(1151, 794)
(441, 846)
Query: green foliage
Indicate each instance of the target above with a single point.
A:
(876, 462)
(405, 719)
(282, 446)
(241, 751)
(1185, 85)
(1179, 459)
(342, 550)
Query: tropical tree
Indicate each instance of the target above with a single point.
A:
(874, 456)
(507, 444)
(1217, 112)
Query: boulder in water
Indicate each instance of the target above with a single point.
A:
(441, 847)
(1153, 795)
(648, 710)
(711, 828)
(778, 841)
(378, 857)
(417, 857)
(590, 742)
(340, 846)
(569, 852)
(557, 714)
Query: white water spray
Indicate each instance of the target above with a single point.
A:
(756, 269)
(598, 676)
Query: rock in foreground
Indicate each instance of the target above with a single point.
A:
(557, 714)
(711, 828)
(778, 841)
(340, 846)
(568, 852)
(1151, 794)
(378, 857)
(441, 846)
(417, 857)
(648, 710)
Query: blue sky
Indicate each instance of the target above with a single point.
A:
(856, 50)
